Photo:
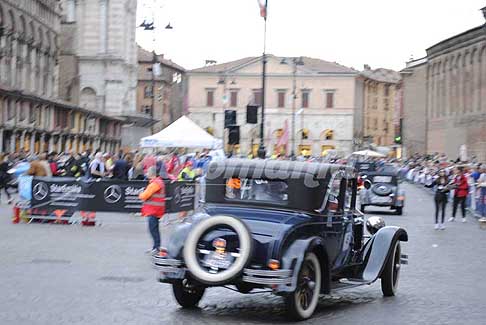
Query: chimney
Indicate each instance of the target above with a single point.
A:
(367, 67)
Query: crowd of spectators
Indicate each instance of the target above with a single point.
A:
(121, 165)
(425, 170)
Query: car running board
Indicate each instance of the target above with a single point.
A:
(355, 281)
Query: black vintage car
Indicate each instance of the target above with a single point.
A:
(382, 188)
(291, 228)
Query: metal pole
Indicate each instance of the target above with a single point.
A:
(261, 149)
(154, 60)
(225, 105)
(294, 97)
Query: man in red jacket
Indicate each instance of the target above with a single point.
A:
(154, 205)
(460, 194)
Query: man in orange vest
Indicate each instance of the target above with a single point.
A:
(154, 205)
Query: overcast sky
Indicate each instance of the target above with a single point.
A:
(381, 33)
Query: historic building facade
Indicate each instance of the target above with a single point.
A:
(454, 73)
(380, 110)
(162, 87)
(32, 118)
(325, 101)
(414, 112)
(98, 61)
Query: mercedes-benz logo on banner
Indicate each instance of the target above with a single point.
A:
(40, 191)
(113, 194)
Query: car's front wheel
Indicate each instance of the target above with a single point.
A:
(302, 303)
(187, 294)
(391, 272)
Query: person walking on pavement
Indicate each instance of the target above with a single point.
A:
(461, 189)
(440, 198)
(5, 177)
(154, 205)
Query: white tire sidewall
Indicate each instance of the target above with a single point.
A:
(315, 299)
(190, 248)
(393, 278)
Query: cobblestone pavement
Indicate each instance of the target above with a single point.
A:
(59, 274)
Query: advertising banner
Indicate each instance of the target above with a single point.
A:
(71, 194)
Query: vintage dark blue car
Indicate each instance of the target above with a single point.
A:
(291, 228)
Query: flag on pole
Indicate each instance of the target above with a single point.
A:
(263, 8)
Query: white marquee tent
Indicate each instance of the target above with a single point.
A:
(183, 133)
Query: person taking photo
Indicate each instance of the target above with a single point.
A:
(441, 192)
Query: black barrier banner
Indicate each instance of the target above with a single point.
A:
(180, 196)
(70, 194)
(49, 194)
(113, 196)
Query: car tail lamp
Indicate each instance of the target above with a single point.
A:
(163, 252)
(273, 265)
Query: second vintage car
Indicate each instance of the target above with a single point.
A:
(382, 188)
(290, 228)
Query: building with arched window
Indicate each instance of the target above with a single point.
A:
(98, 62)
(32, 118)
(445, 97)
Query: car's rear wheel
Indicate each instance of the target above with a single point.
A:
(302, 303)
(187, 294)
(391, 272)
(399, 211)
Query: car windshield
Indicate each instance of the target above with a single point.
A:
(256, 190)
(382, 179)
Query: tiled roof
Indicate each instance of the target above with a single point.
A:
(146, 56)
(222, 67)
(382, 75)
(310, 65)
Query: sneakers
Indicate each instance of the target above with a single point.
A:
(452, 219)
(464, 220)
(153, 251)
(9, 201)
(436, 226)
(441, 226)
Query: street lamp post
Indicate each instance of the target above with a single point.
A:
(150, 26)
(222, 81)
(261, 149)
(294, 97)
(295, 63)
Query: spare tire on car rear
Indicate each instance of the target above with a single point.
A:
(190, 251)
(382, 189)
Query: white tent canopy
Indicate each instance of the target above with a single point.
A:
(183, 133)
(368, 153)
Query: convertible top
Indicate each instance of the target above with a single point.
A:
(273, 169)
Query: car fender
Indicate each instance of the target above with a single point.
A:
(364, 195)
(294, 256)
(379, 251)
